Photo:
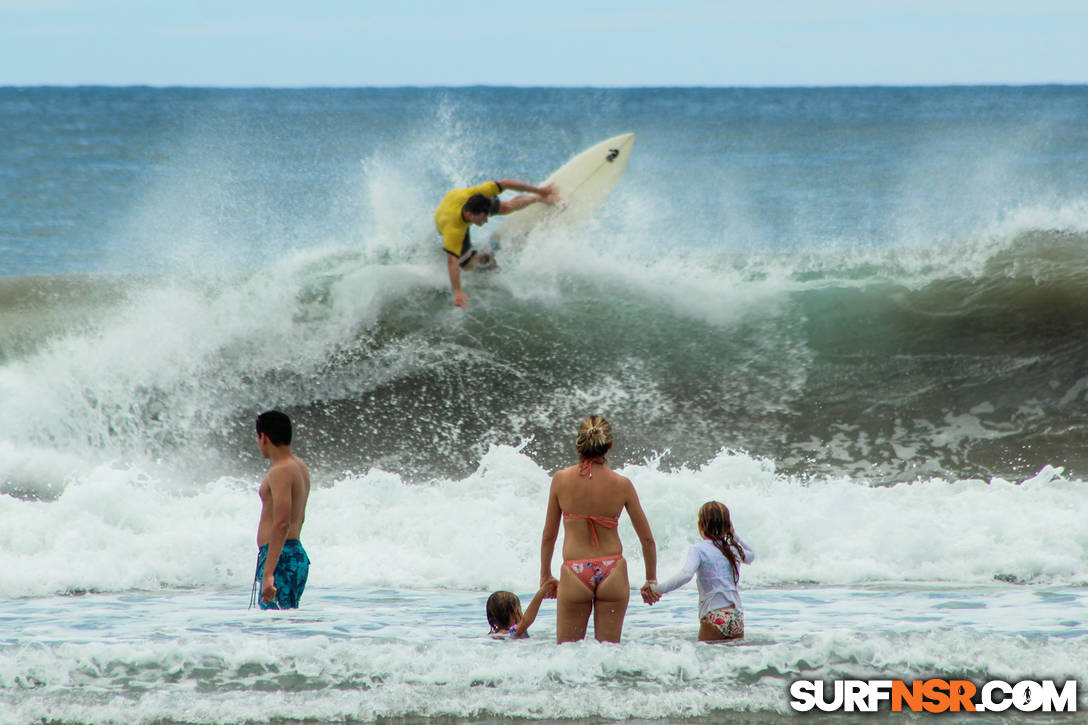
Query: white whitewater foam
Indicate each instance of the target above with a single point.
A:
(483, 532)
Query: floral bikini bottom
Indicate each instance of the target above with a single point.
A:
(593, 571)
(727, 620)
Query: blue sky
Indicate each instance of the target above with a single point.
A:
(563, 43)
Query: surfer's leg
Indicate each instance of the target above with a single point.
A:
(484, 260)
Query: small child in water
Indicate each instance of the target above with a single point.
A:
(716, 560)
(504, 611)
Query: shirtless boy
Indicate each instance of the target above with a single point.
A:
(282, 564)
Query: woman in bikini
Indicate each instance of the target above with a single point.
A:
(589, 499)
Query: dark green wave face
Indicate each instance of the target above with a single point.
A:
(845, 371)
(874, 368)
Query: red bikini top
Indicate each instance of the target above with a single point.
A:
(609, 522)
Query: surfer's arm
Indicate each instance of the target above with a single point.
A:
(545, 194)
(459, 297)
(515, 185)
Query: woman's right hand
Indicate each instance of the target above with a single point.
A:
(649, 594)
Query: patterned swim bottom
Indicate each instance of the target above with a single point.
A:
(593, 571)
(727, 620)
(291, 573)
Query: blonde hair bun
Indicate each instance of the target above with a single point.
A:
(594, 437)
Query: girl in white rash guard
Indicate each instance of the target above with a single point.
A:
(716, 560)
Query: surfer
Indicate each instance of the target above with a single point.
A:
(590, 497)
(461, 208)
(282, 564)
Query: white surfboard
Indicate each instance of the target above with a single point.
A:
(583, 182)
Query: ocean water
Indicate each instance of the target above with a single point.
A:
(857, 316)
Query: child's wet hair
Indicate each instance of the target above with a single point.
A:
(500, 608)
(714, 520)
(716, 525)
(594, 437)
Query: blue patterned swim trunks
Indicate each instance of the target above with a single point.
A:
(292, 569)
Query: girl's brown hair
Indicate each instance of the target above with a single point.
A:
(500, 608)
(716, 525)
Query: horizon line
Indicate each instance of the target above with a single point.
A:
(498, 86)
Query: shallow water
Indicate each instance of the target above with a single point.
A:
(354, 654)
